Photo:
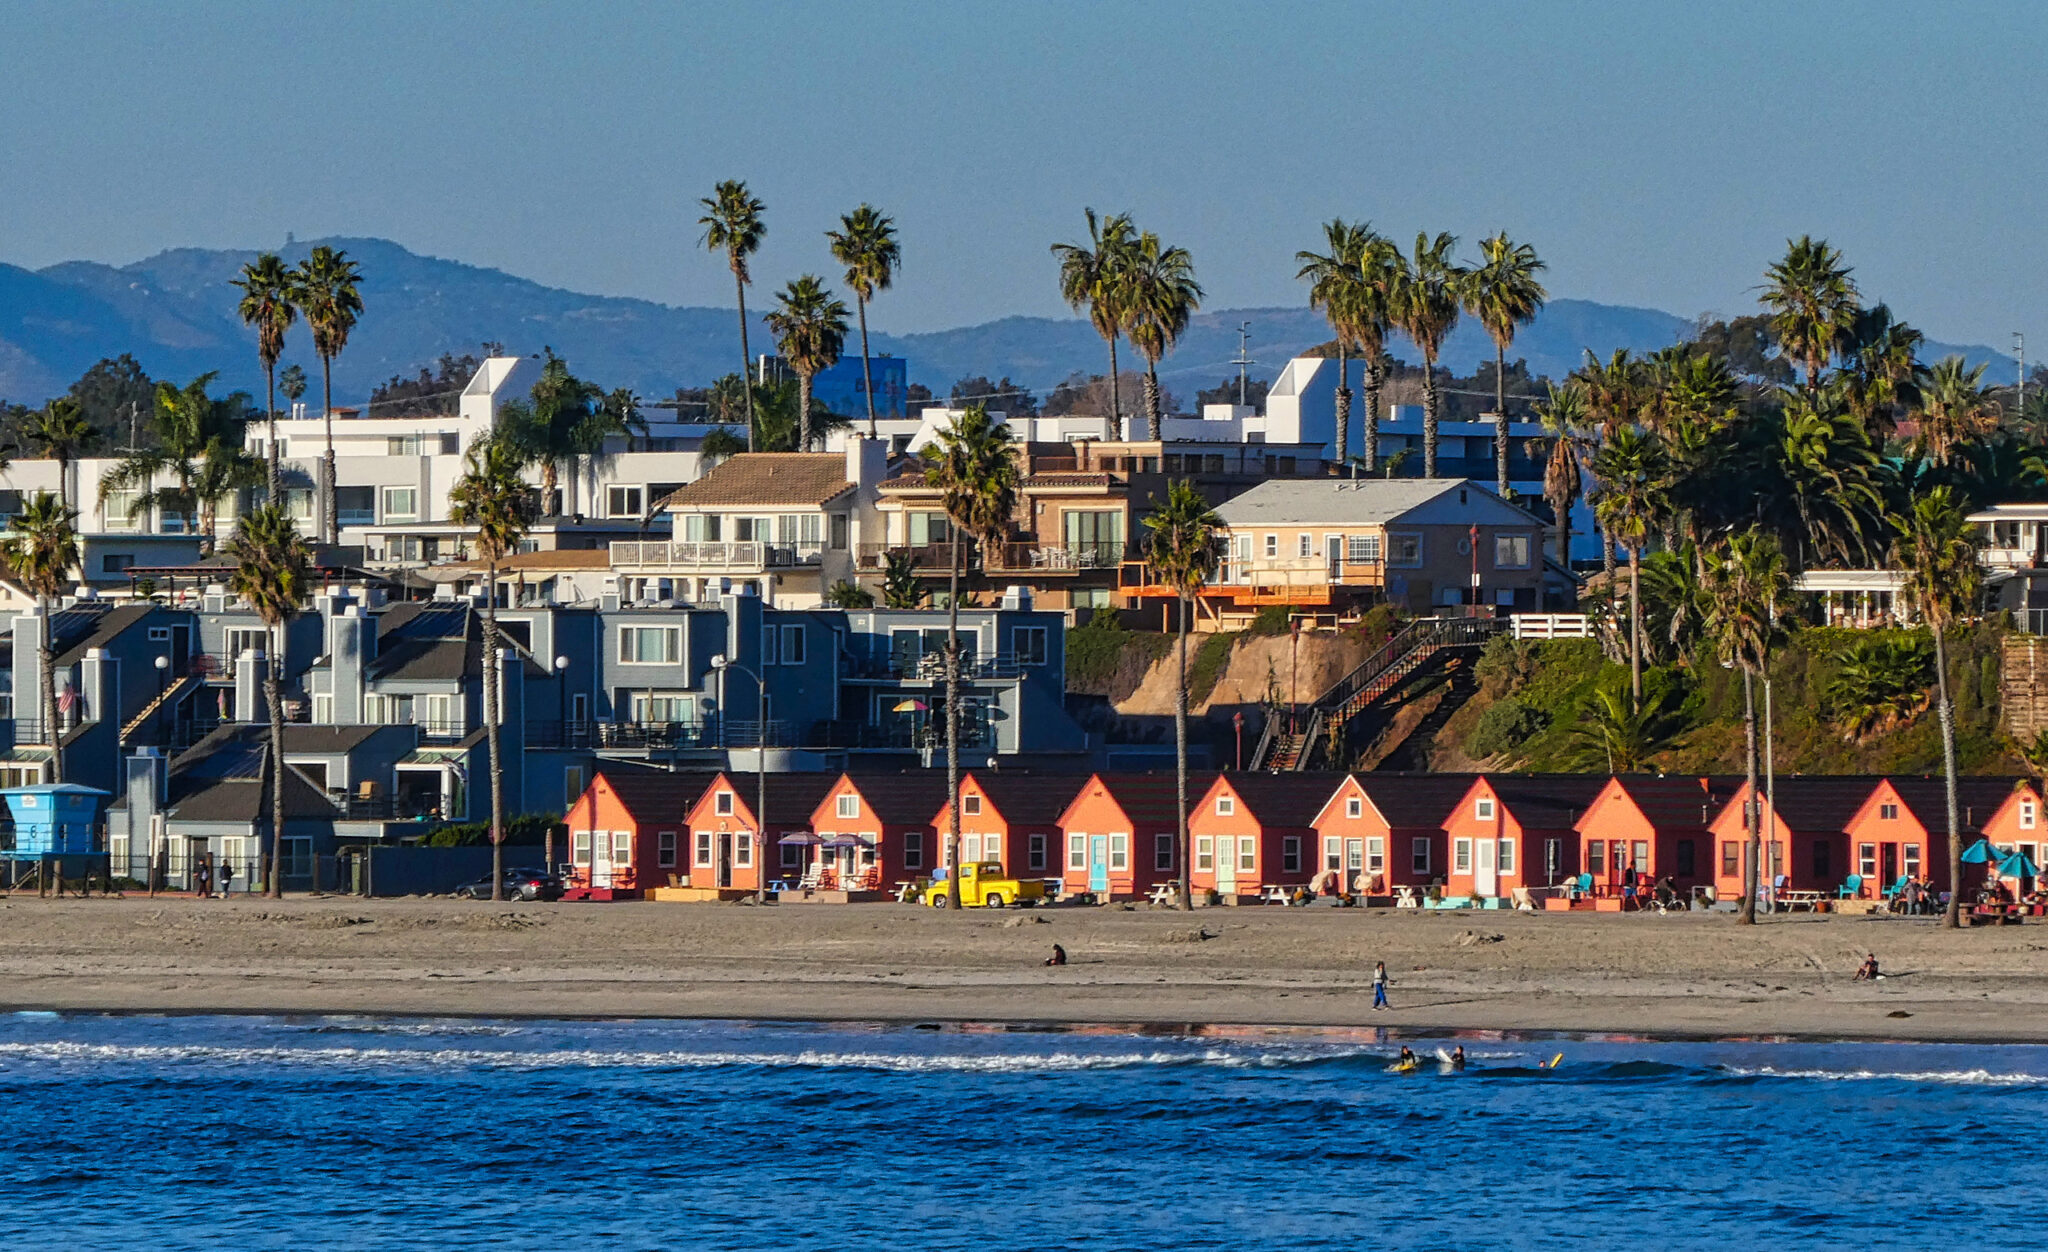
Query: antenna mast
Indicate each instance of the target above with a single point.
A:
(1243, 358)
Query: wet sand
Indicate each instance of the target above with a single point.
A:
(1689, 975)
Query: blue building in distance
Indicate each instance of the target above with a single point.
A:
(840, 388)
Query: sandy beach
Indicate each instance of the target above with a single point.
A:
(1691, 975)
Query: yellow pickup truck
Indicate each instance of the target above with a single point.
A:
(982, 884)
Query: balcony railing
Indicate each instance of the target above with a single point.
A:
(1303, 571)
(937, 558)
(931, 667)
(591, 736)
(720, 556)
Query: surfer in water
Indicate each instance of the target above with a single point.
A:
(1407, 1061)
(1458, 1058)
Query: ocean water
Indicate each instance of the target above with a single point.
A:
(302, 1132)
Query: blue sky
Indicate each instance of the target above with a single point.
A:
(1655, 154)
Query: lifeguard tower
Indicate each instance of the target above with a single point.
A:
(56, 827)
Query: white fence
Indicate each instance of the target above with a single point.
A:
(1552, 626)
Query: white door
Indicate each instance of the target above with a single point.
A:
(1226, 865)
(600, 858)
(1483, 881)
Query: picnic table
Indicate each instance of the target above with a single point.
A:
(1163, 895)
(909, 889)
(1808, 900)
(1274, 893)
(1404, 898)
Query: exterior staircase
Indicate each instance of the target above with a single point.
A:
(165, 699)
(1418, 645)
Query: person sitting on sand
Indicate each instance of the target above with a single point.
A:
(1058, 957)
(1867, 972)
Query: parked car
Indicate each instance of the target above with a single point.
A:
(983, 884)
(526, 883)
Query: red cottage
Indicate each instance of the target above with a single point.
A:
(1659, 826)
(1804, 833)
(1386, 829)
(1902, 827)
(1512, 831)
(625, 830)
(1120, 832)
(875, 831)
(1252, 831)
(721, 850)
(1013, 819)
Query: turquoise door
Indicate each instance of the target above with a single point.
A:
(1098, 862)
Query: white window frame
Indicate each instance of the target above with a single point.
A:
(1501, 542)
(847, 805)
(722, 804)
(1272, 546)
(970, 806)
(1505, 861)
(2027, 816)
(629, 641)
(1482, 809)
(1307, 546)
(1461, 856)
(1205, 853)
(1375, 854)
(1226, 806)
(1077, 850)
(1354, 806)
(1120, 851)
(706, 849)
(387, 513)
(1247, 855)
(1419, 855)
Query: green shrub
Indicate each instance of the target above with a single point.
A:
(526, 830)
(1272, 620)
(1504, 727)
(1206, 665)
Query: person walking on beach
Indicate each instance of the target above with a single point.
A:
(202, 879)
(227, 877)
(1379, 986)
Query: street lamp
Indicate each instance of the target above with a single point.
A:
(721, 664)
(163, 666)
(562, 688)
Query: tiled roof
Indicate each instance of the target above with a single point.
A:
(103, 630)
(769, 478)
(1367, 502)
(1978, 799)
(907, 799)
(1821, 805)
(1676, 802)
(1547, 801)
(1414, 799)
(1282, 799)
(1149, 800)
(1026, 799)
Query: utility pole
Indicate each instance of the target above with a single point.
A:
(1243, 358)
(2019, 352)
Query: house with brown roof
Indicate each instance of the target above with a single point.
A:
(788, 524)
(1122, 834)
(1515, 831)
(1387, 829)
(1254, 830)
(1010, 819)
(1804, 823)
(1657, 826)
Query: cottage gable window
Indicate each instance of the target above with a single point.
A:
(1354, 806)
(1226, 806)
(849, 806)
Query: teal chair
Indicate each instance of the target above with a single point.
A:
(1897, 889)
(1852, 888)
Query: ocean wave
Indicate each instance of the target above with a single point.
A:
(1945, 1077)
(72, 1052)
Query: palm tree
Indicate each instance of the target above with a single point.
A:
(1564, 416)
(270, 300)
(1812, 301)
(974, 467)
(490, 498)
(272, 570)
(1830, 476)
(866, 246)
(1426, 304)
(1160, 294)
(556, 425)
(1182, 551)
(199, 446)
(1503, 293)
(1616, 394)
(1634, 476)
(1623, 733)
(1382, 265)
(732, 225)
(1937, 553)
(1880, 686)
(1093, 276)
(1336, 285)
(1745, 582)
(849, 595)
(1955, 410)
(326, 283)
(1882, 356)
(61, 433)
(810, 331)
(40, 547)
(901, 588)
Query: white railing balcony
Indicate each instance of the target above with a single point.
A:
(1552, 626)
(746, 555)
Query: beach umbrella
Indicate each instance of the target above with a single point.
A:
(804, 839)
(2018, 866)
(911, 706)
(1980, 852)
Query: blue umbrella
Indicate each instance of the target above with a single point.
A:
(1980, 853)
(2018, 866)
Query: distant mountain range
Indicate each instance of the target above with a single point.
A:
(175, 312)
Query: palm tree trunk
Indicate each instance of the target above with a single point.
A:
(493, 699)
(803, 412)
(1180, 754)
(746, 355)
(1151, 399)
(550, 483)
(274, 697)
(1562, 509)
(1635, 627)
(1500, 421)
(1953, 916)
(1430, 401)
(1343, 406)
(46, 656)
(1116, 404)
(1375, 374)
(1606, 551)
(953, 728)
(64, 482)
(331, 523)
(276, 472)
(1753, 810)
(867, 377)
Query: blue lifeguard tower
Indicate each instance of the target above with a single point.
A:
(56, 827)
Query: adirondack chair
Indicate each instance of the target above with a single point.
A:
(1851, 888)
